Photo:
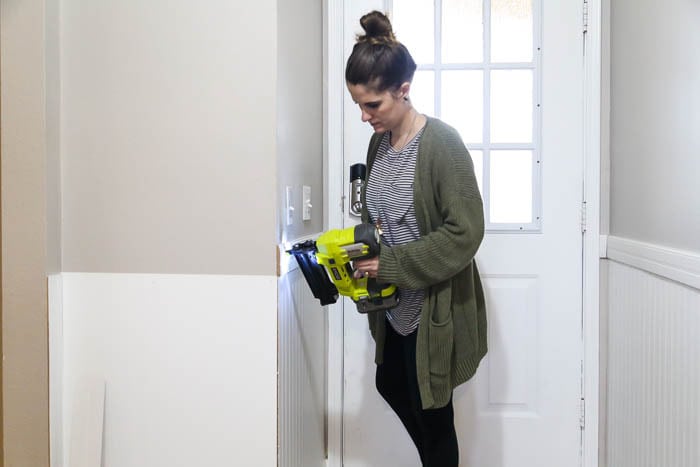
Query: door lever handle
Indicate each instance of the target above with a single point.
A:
(358, 173)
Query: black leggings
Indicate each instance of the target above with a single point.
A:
(432, 430)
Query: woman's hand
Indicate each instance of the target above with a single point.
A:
(366, 268)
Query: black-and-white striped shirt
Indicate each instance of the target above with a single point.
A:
(389, 198)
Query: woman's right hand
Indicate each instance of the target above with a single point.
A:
(366, 268)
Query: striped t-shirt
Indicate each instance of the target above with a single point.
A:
(389, 198)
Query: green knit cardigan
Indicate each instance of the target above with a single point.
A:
(451, 337)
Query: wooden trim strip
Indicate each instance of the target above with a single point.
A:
(674, 264)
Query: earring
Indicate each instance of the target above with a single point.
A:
(405, 98)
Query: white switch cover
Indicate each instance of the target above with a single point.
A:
(289, 207)
(306, 203)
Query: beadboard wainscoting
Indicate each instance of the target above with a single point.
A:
(163, 370)
(653, 400)
(302, 371)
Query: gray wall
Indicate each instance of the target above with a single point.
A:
(53, 136)
(168, 145)
(300, 113)
(655, 122)
(24, 433)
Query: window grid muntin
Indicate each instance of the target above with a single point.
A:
(486, 66)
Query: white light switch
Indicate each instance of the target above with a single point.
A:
(289, 207)
(306, 203)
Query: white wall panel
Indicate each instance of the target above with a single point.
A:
(653, 371)
(189, 366)
(302, 374)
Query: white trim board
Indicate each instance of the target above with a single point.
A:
(333, 199)
(592, 87)
(674, 264)
(56, 401)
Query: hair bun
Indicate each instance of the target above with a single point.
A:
(377, 28)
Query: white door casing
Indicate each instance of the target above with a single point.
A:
(523, 407)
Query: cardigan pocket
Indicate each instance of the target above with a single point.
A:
(441, 345)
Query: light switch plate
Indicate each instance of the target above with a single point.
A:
(289, 207)
(306, 203)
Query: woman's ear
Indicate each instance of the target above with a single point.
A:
(404, 90)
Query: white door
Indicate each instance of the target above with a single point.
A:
(508, 74)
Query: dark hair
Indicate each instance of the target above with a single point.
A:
(378, 60)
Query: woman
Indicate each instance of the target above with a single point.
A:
(422, 193)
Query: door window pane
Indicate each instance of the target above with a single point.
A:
(483, 80)
(423, 92)
(511, 106)
(462, 31)
(414, 26)
(463, 103)
(511, 30)
(510, 191)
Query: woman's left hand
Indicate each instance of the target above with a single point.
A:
(366, 268)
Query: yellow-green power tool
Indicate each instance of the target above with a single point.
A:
(327, 266)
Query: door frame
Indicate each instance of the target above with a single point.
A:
(335, 195)
(333, 203)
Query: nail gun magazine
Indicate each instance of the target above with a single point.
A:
(327, 266)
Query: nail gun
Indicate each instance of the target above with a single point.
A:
(326, 265)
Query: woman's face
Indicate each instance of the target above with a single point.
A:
(383, 110)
